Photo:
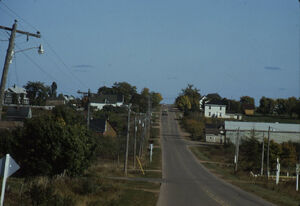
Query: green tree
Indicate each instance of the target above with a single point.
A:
(266, 105)
(291, 104)
(50, 144)
(288, 156)
(124, 88)
(250, 150)
(52, 92)
(183, 103)
(156, 98)
(281, 106)
(247, 100)
(194, 96)
(37, 92)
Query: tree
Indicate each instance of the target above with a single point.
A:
(37, 92)
(106, 90)
(54, 143)
(280, 106)
(250, 149)
(266, 105)
(53, 89)
(124, 88)
(290, 104)
(232, 105)
(183, 103)
(288, 156)
(247, 100)
(156, 98)
(193, 95)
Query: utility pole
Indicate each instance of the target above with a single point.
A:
(134, 146)
(8, 58)
(237, 147)
(268, 154)
(262, 155)
(88, 106)
(149, 115)
(127, 141)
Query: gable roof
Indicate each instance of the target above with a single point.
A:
(17, 90)
(18, 113)
(98, 125)
(107, 99)
(215, 102)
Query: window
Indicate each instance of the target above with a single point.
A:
(221, 108)
(209, 114)
(209, 107)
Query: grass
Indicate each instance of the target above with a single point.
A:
(282, 194)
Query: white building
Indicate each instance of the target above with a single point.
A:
(279, 132)
(217, 109)
(15, 95)
(103, 100)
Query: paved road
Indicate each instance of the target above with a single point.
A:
(187, 182)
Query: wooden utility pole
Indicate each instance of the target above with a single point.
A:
(8, 58)
(268, 154)
(88, 106)
(127, 141)
(262, 155)
(237, 148)
(134, 146)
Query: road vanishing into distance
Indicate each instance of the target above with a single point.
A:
(187, 182)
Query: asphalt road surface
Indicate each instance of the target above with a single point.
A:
(187, 182)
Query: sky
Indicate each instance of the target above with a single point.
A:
(231, 47)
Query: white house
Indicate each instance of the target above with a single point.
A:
(217, 109)
(15, 95)
(100, 101)
(202, 101)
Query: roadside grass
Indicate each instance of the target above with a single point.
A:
(283, 194)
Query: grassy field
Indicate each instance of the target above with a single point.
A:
(94, 188)
(214, 157)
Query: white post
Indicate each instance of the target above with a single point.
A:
(297, 175)
(6, 167)
(277, 172)
(151, 148)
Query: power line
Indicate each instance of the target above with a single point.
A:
(15, 13)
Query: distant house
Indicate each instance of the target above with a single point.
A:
(55, 101)
(214, 133)
(18, 113)
(100, 101)
(16, 95)
(217, 109)
(102, 127)
(248, 109)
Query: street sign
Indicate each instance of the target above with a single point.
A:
(8, 166)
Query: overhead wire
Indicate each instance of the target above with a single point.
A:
(48, 44)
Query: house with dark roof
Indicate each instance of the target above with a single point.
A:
(214, 133)
(102, 127)
(100, 101)
(16, 95)
(217, 109)
(18, 113)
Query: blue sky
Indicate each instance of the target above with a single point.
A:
(233, 47)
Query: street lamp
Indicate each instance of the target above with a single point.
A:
(40, 49)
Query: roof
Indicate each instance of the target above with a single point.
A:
(108, 99)
(98, 125)
(18, 113)
(261, 126)
(215, 102)
(17, 90)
